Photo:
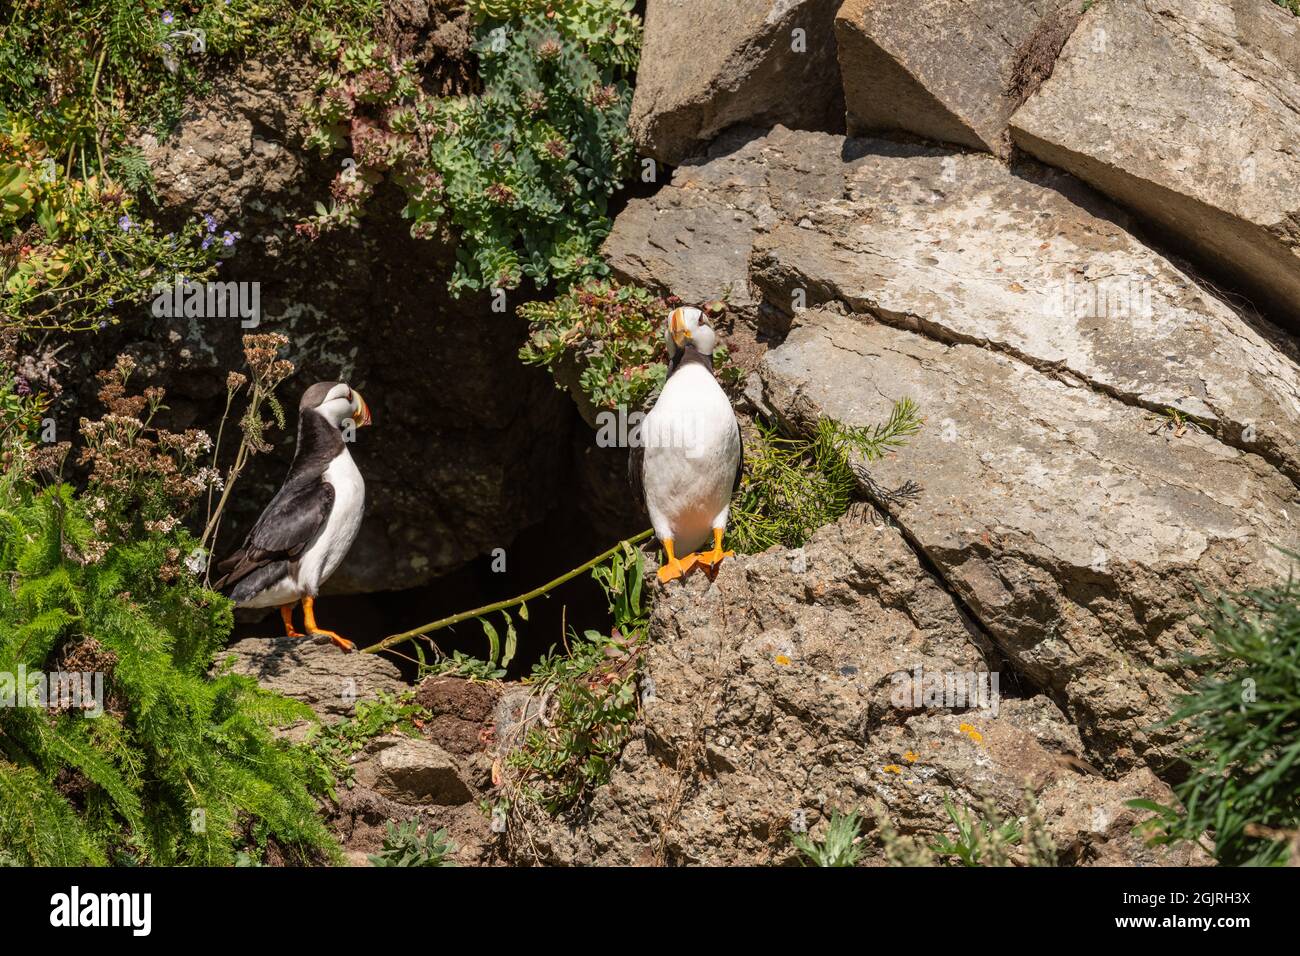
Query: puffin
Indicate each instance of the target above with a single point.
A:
(305, 532)
(687, 462)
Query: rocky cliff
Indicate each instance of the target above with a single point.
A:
(1068, 235)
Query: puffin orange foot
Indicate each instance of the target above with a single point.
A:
(286, 615)
(710, 560)
(338, 640)
(309, 612)
(674, 567)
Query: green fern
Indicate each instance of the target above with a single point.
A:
(181, 767)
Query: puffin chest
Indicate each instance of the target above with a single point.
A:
(692, 447)
(327, 552)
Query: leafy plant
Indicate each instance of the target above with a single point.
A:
(609, 29)
(981, 840)
(793, 486)
(459, 664)
(335, 744)
(1243, 721)
(841, 846)
(78, 78)
(179, 767)
(523, 172)
(986, 837)
(589, 695)
(73, 249)
(404, 846)
(611, 333)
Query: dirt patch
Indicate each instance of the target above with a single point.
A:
(460, 713)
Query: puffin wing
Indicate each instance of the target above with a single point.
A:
(740, 459)
(289, 524)
(635, 478)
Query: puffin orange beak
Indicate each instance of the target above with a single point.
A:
(677, 327)
(362, 414)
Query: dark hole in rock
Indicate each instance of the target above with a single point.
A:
(593, 511)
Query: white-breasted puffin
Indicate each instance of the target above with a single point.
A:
(688, 461)
(305, 532)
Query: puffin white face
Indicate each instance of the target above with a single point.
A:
(337, 403)
(688, 325)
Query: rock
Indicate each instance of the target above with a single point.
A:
(949, 70)
(315, 672)
(1035, 265)
(1071, 523)
(1186, 111)
(1077, 534)
(775, 699)
(754, 69)
(693, 237)
(411, 770)
(237, 144)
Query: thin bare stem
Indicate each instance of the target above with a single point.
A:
(438, 625)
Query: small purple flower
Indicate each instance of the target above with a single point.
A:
(167, 17)
(21, 386)
(125, 223)
(207, 242)
(210, 221)
(228, 238)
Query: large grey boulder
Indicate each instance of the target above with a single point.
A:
(771, 697)
(950, 70)
(710, 64)
(1076, 533)
(1187, 111)
(1044, 343)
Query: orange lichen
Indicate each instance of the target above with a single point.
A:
(971, 732)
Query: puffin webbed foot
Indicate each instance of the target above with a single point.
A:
(338, 640)
(674, 567)
(711, 559)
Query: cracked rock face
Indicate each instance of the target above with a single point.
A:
(710, 64)
(1040, 339)
(1189, 112)
(1076, 536)
(948, 70)
(784, 690)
